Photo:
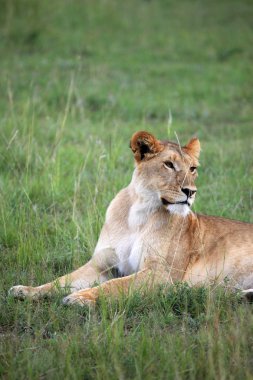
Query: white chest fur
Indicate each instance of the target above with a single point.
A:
(132, 248)
(129, 254)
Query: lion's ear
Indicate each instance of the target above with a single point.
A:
(144, 145)
(193, 147)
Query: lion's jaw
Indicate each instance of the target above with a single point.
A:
(151, 199)
(180, 206)
(179, 209)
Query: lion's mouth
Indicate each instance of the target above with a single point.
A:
(166, 203)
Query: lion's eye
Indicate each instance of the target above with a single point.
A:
(193, 169)
(169, 164)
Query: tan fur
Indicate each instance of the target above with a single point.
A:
(152, 237)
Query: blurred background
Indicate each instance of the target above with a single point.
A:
(130, 62)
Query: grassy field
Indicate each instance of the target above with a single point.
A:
(77, 79)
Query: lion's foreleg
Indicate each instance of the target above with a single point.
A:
(82, 278)
(142, 280)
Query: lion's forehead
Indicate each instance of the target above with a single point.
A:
(178, 156)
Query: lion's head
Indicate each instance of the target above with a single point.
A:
(166, 171)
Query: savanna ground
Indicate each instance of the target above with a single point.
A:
(77, 79)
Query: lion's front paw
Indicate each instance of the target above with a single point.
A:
(81, 298)
(22, 292)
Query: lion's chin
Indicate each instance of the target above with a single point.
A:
(179, 209)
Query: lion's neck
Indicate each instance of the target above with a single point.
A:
(145, 203)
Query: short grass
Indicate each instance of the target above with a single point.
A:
(77, 79)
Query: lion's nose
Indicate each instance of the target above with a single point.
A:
(188, 192)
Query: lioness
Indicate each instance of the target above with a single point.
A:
(151, 236)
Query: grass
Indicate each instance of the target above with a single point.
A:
(78, 78)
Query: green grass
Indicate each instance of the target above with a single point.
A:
(77, 79)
